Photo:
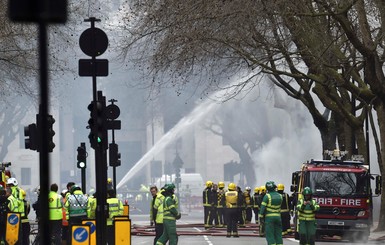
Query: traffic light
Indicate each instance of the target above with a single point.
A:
(91, 125)
(114, 155)
(82, 156)
(51, 133)
(101, 123)
(31, 134)
(98, 124)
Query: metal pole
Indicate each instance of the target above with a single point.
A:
(44, 167)
(83, 170)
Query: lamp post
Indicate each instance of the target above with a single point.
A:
(177, 163)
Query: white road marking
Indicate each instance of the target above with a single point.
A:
(207, 240)
(292, 239)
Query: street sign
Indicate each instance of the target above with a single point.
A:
(12, 228)
(53, 11)
(92, 224)
(80, 234)
(93, 42)
(89, 68)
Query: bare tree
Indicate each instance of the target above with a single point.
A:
(317, 51)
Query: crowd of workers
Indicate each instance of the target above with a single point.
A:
(272, 208)
(69, 207)
(164, 211)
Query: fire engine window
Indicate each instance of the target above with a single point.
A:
(337, 183)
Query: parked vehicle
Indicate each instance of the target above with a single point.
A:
(343, 190)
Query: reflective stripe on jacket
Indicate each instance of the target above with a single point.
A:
(271, 204)
(55, 206)
(169, 209)
(307, 212)
(115, 208)
(158, 205)
(231, 199)
(76, 204)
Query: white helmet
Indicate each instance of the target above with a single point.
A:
(37, 189)
(12, 181)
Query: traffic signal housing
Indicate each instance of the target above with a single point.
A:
(51, 133)
(82, 156)
(98, 124)
(114, 155)
(31, 134)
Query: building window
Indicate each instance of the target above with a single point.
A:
(25, 176)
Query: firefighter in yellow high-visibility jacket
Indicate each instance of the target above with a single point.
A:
(233, 204)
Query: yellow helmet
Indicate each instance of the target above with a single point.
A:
(232, 187)
(262, 189)
(209, 183)
(221, 185)
(109, 181)
(256, 190)
(280, 187)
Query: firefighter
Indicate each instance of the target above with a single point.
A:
(221, 203)
(4, 209)
(271, 212)
(232, 214)
(207, 204)
(26, 227)
(64, 220)
(55, 205)
(249, 205)
(255, 204)
(306, 208)
(14, 207)
(158, 214)
(262, 193)
(285, 210)
(214, 204)
(115, 208)
(170, 215)
(13, 184)
(241, 208)
(76, 205)
(153, 191)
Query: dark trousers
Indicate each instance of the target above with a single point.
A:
(249, 215)
(232, 217)
(56, 232)
(207, 214)
(158, 231)
(26, 228)
(110, 235)
(286, 228)
(221, 214)
(214, 217)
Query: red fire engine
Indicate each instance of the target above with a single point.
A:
(343, 190)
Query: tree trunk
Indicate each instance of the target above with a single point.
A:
(381, 123)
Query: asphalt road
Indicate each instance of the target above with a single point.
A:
(191, 232)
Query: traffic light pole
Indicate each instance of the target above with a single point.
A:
(94, 42)
(101, 183)
(44, 167)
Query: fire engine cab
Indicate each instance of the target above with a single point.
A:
(342, 188)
